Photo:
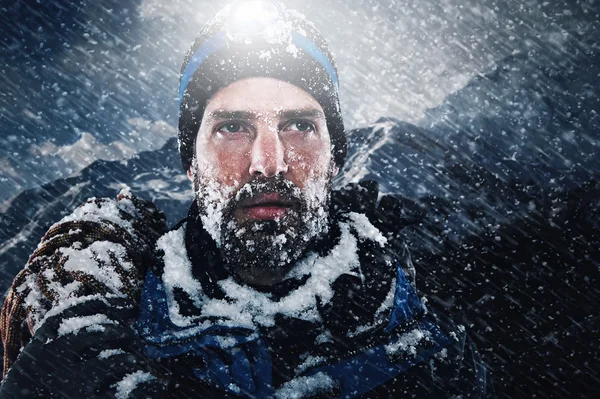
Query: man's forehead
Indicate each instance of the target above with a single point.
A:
(264, 95)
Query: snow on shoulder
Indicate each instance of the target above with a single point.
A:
(127, 385)
(72, 325)
(98, 260)
(177, 273)
(408, 342)
(365, 228)
(244, 306)
(308, 386)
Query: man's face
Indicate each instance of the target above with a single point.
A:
(262, 175)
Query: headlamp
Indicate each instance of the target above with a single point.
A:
(255, 24)
(254, 21)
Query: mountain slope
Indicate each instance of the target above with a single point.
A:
(501, 181)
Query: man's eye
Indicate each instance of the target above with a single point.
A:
(301, 126)
(231, 127)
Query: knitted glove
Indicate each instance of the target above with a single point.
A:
(84, 353)
(103, 248)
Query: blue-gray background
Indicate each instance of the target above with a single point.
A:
(82, 80)
(492, 137)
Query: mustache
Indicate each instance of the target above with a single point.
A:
(285, 190)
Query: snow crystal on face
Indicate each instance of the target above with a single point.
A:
(302, 387)
(178, 273)
(213, 197)
(247, 307)
(72, 325)
(316, 192)
(129, 383)
(110, 352)
(95, 261)
(365, 229)
(407, 342)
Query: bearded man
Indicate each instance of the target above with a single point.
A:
(273, 286)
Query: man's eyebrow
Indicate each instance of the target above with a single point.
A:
(224, 114)
(310, 113)
(227, 114)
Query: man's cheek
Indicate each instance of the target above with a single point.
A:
(212, 173)
(309, 165)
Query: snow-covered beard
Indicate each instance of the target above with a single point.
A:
(263, 251)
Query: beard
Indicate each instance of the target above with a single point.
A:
(262, 252)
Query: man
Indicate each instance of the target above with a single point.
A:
(273, 286)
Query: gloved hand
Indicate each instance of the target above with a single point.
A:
(127, 230)
(65, 361)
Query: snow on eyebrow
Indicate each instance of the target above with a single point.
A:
(72, 325)
(303, 387)
(178, 273)
(365, 228)
(129, 383)
(247, 307)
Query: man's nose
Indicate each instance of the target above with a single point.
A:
(267, 155)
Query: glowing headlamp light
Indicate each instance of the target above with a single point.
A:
(252, 21)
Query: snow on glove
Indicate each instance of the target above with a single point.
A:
(82, 353)
(102, 248)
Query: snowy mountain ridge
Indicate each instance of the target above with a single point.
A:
(500, 185)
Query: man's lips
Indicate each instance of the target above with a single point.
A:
(267, 206)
